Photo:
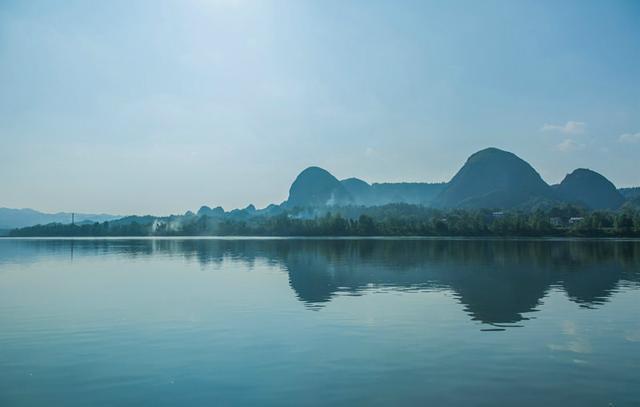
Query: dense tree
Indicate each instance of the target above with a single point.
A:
(387, 220)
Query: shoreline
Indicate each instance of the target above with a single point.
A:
(492, 238)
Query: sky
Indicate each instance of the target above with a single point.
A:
(158, 107)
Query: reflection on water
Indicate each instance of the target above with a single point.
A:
(498, 282)
(200, 322)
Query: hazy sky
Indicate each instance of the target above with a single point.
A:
(163, 106)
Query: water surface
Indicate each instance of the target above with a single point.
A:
(317, 322)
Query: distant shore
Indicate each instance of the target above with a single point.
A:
(395, 220)
(471, 238)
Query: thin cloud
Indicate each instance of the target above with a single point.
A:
(370, 152)
(569, 145)
(629, 138)
(570, 127)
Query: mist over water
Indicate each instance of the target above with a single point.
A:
(319, 321)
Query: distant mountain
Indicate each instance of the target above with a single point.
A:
(18, 218)
(630, 193)
(417, 193)
(317, 187)
(360, 190)
(490, 179)
(493, 178)
(212, 213)
(587, 187)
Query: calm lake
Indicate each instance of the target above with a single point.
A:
(188, 322)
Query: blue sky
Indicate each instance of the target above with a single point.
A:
(163, 106)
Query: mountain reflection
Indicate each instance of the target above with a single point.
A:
(496, 281)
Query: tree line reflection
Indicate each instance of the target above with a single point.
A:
(496, 281)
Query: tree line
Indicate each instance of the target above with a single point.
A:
(388, 220)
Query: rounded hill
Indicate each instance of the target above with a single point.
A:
(317, 187)
(591, 189)
(493, 178)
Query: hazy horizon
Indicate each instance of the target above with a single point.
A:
(161, 107)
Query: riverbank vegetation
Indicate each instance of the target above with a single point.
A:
(388, 220)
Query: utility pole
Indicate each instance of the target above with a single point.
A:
(73, 218)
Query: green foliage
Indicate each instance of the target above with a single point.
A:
(387, 220)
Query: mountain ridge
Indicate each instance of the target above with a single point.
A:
(11, 218)
(489, 179)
